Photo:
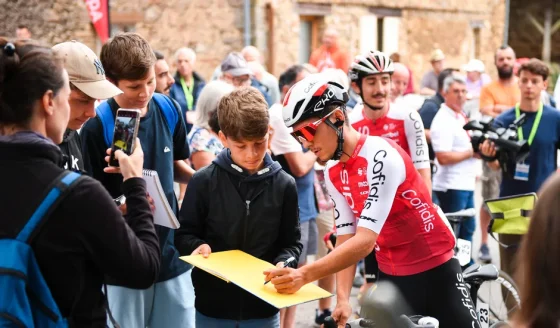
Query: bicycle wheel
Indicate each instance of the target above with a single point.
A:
(502, 297)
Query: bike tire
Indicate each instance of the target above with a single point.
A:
(512, 301)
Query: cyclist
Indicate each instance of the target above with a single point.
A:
(379, 198)
(370, 74)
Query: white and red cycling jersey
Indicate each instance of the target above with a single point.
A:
(404, 126)
(379, 188)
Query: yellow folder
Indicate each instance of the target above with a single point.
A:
(246, 271)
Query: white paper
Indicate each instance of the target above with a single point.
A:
(163, 214)
(463, 251)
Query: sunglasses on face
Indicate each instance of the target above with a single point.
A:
(307, 132)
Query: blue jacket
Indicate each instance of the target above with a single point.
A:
(176, 93)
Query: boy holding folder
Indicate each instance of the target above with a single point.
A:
(244, 201)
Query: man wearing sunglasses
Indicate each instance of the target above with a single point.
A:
(371, 75)
(380, 201)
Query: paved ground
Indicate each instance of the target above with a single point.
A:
(306, 312)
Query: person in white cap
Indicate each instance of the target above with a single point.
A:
(476, 78)
(87, 84)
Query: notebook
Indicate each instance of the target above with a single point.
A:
(246, 271)
(163, 213)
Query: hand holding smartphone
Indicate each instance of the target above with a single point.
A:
(125, 155)
(124, 133)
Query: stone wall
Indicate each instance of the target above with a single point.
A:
(50, 21)
(214, 28)
(346, 18)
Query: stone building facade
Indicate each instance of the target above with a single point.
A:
(285, 30)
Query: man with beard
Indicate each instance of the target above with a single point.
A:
(495, 98)
(164, 79)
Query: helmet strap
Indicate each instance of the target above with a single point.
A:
(338, 126)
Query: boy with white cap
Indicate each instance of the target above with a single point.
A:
(87, 84)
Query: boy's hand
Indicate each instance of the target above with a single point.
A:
(203, 249)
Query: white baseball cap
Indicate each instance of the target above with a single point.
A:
(474, 65)
(85, 70)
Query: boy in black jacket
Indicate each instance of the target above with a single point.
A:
(243, 200)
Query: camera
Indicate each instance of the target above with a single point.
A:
(509, 150)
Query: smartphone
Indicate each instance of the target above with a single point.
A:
(125, 133)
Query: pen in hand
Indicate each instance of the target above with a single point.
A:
(286, 263)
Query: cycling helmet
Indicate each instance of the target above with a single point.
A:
(369, 63)
(310, 96)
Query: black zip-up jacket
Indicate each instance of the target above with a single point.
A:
(85, 237)
(229, 209)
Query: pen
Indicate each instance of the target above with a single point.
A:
(288, 261)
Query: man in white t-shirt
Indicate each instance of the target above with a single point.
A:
(455, 177)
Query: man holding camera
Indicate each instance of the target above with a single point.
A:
(495, 98)
(541, 129)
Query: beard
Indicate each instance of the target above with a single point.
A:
(371, 107)
(505, 72)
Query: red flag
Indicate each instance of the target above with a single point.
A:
(99, 14)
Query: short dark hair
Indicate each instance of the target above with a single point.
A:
(127, 56)
(288, 78)
(159, 55)
(25, 76)
(243, 114)
(443, 75)
(536, 67)
(22, 26)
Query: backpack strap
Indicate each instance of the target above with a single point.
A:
(107, 118)
(169, 111)
(56, 193)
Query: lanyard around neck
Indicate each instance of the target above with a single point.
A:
(535, 124)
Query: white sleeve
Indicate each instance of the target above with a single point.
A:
(416, 137)
(386, 172)
(344, 217)
(282, 141)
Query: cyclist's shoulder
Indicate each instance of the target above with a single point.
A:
(403, 112)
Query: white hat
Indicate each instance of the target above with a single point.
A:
(474, 65)
(85, 70)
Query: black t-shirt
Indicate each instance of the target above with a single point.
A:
(71, 148)
(160, 149)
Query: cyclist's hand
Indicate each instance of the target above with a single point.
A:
(341, 313)
(285, 280)
(203, 249)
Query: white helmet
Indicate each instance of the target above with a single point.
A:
(309, 97)
(372, 62)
